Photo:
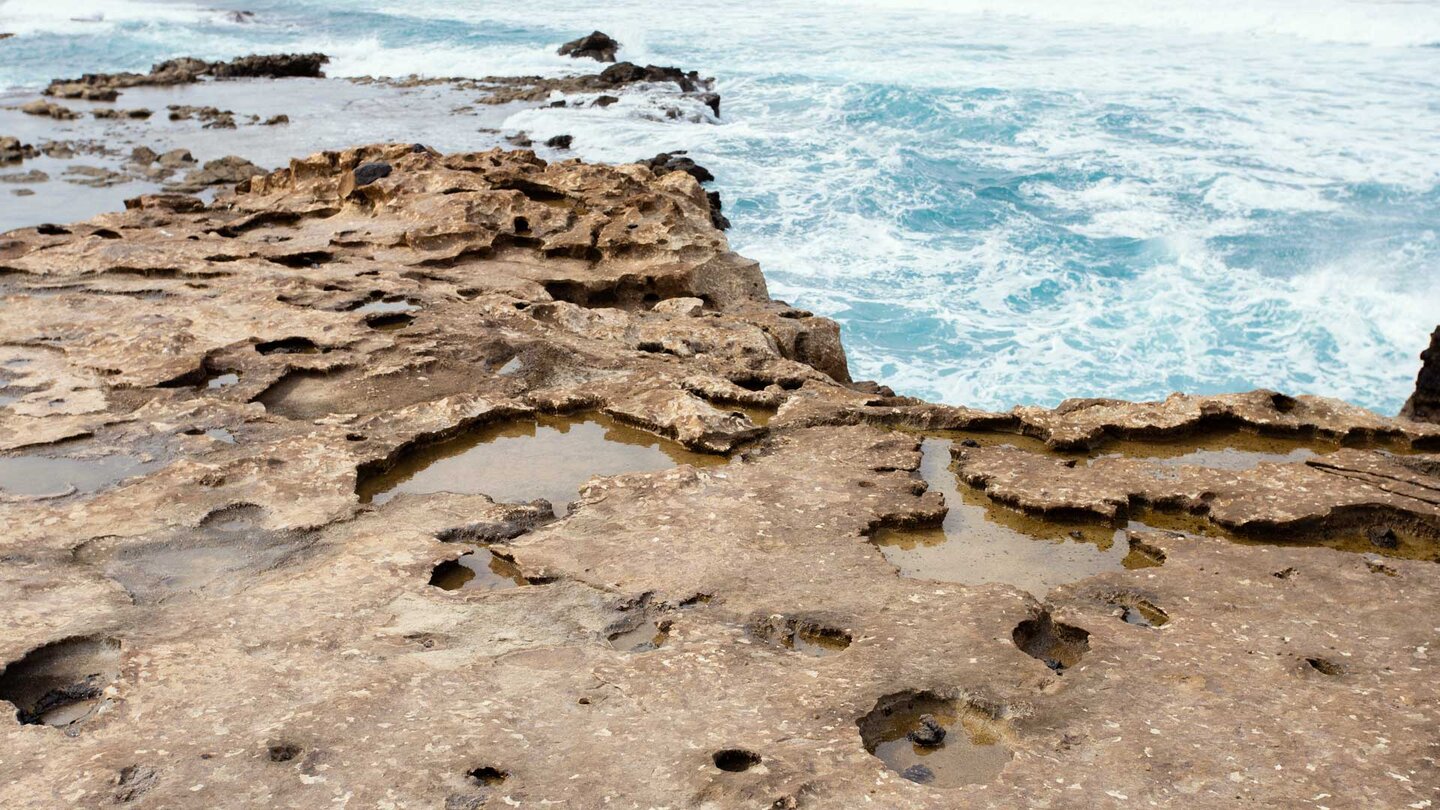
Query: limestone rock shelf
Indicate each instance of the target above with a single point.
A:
(227, 622)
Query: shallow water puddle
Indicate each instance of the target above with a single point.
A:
(387, 307)
(936, 742)
(549, 457)
(479, 571)
(644, 638)
(45, 475)
(972, 547)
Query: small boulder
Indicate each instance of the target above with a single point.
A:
(597, 45)
(929, 734)
(367, 173)
(275, 120)
(49, 109)
(560, 141)
(176, 158)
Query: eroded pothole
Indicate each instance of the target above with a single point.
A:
(805, 636)
(61, 684)
(936, 741)
(1060, 646)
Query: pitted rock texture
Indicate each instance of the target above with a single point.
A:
(269, 640)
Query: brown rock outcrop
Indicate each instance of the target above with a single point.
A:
(226, 442)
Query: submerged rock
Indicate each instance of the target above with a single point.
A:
(596, 45)
(1424, 404)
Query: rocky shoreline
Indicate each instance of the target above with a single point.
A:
(246, 448)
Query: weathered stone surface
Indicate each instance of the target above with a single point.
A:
(276, 642)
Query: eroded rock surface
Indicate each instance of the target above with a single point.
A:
(201, 609)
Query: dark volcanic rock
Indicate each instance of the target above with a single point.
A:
(187, 70)
(598, 46)
(560, 141)
(278, 66)
(630, 73)
(367, 173)
(1424, 404)
(930, 733)
(667, 162)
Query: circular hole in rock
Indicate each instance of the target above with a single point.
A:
(934, 741)
(488, 775)
(735, 760)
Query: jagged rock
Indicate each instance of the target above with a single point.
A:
(49, 109)
(596, 45)
(136, 114)
(106, 86)
(176, 159)
(222, 171)
(143, 156)
(560, 141)
(1424, 404)
(5, 35)
(276, 120)
(13, 151)
(277, 66)
(667, 162)
(929, 733)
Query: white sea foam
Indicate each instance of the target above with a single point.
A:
(1007, 200)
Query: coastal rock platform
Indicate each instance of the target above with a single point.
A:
(247, 446)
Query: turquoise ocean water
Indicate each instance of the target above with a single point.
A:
(1002, 202)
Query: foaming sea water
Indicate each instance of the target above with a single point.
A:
(1002, 202)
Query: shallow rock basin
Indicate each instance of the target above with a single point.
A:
(40, 476)
(549, 457)
(481, 571)
(972, 548)
(971, 751)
